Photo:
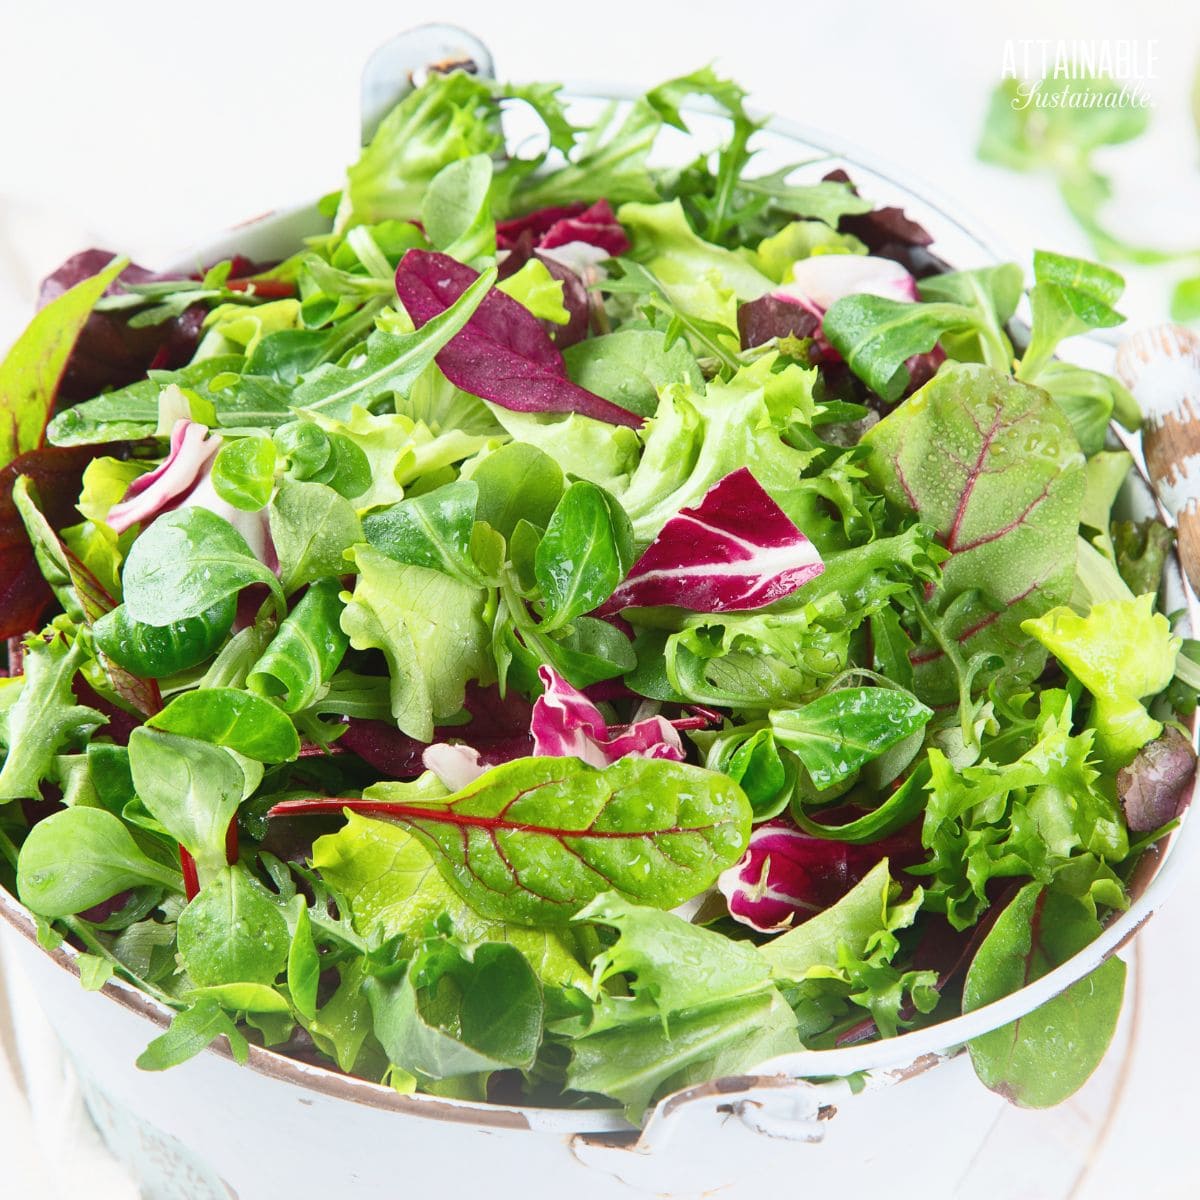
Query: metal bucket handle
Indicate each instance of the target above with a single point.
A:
(781, 1100)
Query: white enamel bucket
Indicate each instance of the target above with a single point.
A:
(278, 1128)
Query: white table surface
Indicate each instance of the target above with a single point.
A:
(143, 127)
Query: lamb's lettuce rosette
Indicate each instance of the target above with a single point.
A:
(580, 627)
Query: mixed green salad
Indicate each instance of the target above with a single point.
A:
(578, 628)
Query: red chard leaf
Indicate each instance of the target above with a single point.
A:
(503, 353)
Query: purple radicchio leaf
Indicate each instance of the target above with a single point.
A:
(566, 225)
(786, 876)
(184, 480)
(1157, 786)
(737, 549)
(564, 723)
(503, 353)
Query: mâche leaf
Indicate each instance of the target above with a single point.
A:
(231, 718)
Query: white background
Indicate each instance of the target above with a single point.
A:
(145, 127)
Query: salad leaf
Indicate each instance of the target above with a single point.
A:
(455, 210)
(188, 561)
(430, 629)
(629, 367)
(587, 548)
(45, 717)
(192, 788)
(156, 651)
(432, 530)
(32, 370)
(81, 857)
(231, 718)
(459, 1011)
(451, 118)
(311, 528)
(736, 549)
(233, 932)
(193, 1029)
(1120, 651)
(1047, 1055)
(533, 840)
(393, 361)
(697, 438)
(836, 734)
(1156, 787)
(302, 656)
(502, 353)
(517, 482)
(993, 465)
(243, 472)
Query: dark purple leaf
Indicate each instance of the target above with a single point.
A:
(737, 549)
(1157, 786)
(575, 301)
(774, 317)
(502, 354)
(109, 352)
(57, 473)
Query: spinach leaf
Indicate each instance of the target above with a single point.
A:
(836, 734)
(393, 361)
(185, 563)
(312, 527)
(81, 857)
(233, 932)
(30, 372)
(586, 551)
(305, 652)
(190, 787)
(228, 717)
(535, 839)
(1047, 1055)
(457, 1012)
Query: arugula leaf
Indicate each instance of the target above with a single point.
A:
(533, 840)
(193, 1029)
(45, 717)
(430, 629)
(81, 857)
(186, 562)
(836, 734)
(31, 371)
(1047, 1055)
(393, 361)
